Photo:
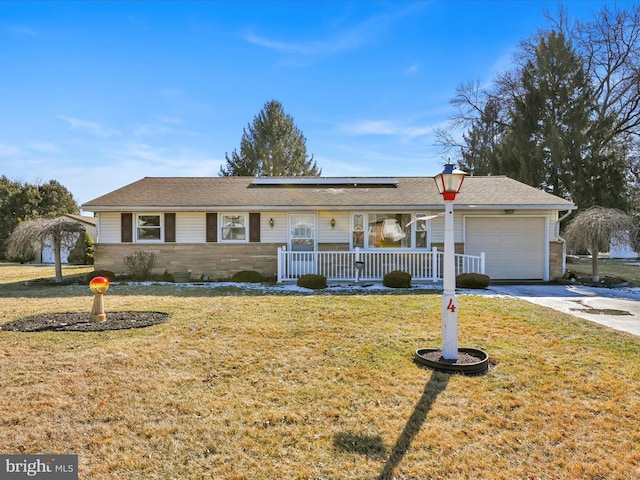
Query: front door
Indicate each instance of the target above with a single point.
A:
(302, 240)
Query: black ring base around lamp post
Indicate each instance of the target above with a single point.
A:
(430, 357)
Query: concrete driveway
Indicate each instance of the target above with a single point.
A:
(615, 308)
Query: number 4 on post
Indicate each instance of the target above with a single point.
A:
(451, 305)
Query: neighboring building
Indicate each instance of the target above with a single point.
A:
(216, 226)
(621, 249)
(47, 254)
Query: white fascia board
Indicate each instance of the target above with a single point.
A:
(289, 208)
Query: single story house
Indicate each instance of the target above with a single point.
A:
(46, 253)
(340, 227)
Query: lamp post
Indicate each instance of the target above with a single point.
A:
(449, 183)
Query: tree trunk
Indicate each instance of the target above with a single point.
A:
(57, 258)
(594, 261)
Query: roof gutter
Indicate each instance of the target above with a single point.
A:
(272, 208)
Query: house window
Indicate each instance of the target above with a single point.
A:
(148, 228)
(234, 227)
(389, 230)
(358, 230)
(302, 232)
(421, 228)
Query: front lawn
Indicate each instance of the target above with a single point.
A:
(316, 387)
(619, 268)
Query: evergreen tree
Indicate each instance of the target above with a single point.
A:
(554, 142)
(23, 201)
(271, 146)
(567, 114)
(55, 200)
(480, 153)
(7, 223)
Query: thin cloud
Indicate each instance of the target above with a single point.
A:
(9, 151)
(169, 92)
(326, 47)
(86, 126)
(337, 168)
(412, 69)
(171, 120)
(158, 161)
(151, 129)
(346, 39)
(373, 127)
(44, 147)
(22, 31)
(162, 126)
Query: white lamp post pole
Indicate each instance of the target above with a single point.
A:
(449, 297)
(449, 183)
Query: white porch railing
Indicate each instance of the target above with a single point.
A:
(341, 265)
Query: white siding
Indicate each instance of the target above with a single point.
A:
(437, 228)
(277, 234)
(191, 227)
(339, 234)
(109, 227)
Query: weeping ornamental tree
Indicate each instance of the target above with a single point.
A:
(593, 230)
(62, 231)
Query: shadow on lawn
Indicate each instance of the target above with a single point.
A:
(373, 446)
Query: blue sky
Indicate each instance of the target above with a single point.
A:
(99, 94)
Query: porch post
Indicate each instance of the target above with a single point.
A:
(434, 264)
(279, 267)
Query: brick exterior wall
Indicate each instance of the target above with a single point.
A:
(556, 255)
(218, 261)
(221, 261)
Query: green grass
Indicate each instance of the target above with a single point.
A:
(316, 387)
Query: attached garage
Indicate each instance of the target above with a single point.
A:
(516, 248)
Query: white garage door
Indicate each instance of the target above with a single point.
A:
(514, 247)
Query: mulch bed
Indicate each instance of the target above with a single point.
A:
(464, 358)
(587, 280)
(79, 322)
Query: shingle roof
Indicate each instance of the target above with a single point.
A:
(208, 193)
(81, 218)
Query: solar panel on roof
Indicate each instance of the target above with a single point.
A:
(324, 182)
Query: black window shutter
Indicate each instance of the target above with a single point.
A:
(126, 227)
(254, 227)
(212, 227)
(169, 227)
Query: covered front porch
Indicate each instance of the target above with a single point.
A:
(371, 265)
